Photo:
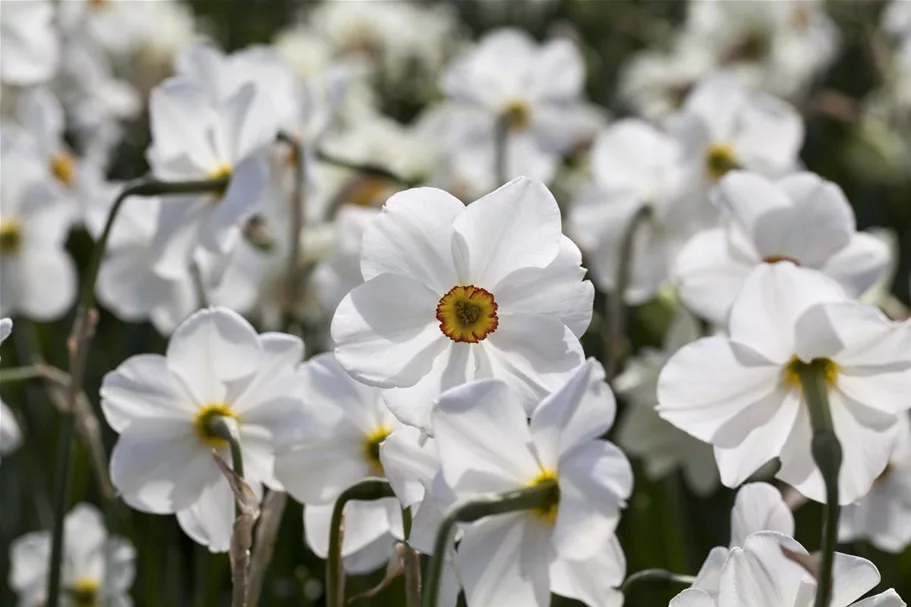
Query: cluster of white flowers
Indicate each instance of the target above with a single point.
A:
(421, 308)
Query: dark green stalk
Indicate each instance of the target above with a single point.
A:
(369, 489)
(827, 454)
(651, 575)
(541, 495)
(371, 170)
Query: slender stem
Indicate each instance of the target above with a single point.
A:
(296, 226)
(9, 376)
(83, 328)
(651, 575)
(827, 454)
(225, 427)
(371, 170)
(367, 490)
(542, 495)
(616, 303)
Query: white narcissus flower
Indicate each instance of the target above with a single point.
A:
(215, 365)
(98, 569)
(723, 126)
(536, 88)
(801, 218)
(336, 445)
(643, 434)
(29, 44)
(486, 446)
(37, 276)
(883, 516)
(634, 165)
(760, 574)
(742, 393)
(195, 138)
(10, 435)
(456, 293)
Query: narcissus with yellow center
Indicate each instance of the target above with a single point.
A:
(372, 444)
(85, 593)
(719, 159)
(10, 236)
(547, 513)
(206, 416)
(63, 167)
(467, 314)
(517, 115)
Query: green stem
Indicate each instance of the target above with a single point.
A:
(9, 376)
(827, 454)
(369, 489)
(225, 427)
(614, 342)
(541, 495)
(651, 575)
(296, 226)
(79, 346)
(371, 170)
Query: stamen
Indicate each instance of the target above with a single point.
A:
(517, 115)
(372, 448)
(204, 419)
(792, 371)
(720, 159)
(467, 314)
(63, 166)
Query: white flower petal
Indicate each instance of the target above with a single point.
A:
(210, 519)
(759, 507)
(317, 473)
(47, 282)
(860, 264)
(516, 226)
(144, 387)
(889, 598)
(760, 574)
(364, 523)
(595, 580)
(692, 597)
(409, 463)
(852, 577)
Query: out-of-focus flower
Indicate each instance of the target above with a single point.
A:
(722, 126)
(163, 407)
(29, 45)
(761, 574)
(778, 47)
(37, 277)
(534, 90)
(341, 270)
(634, 166)
(642, 433)
(883, 516)
(486, 445)
(743, 395)
(456, 293)
(801, 218)
(10, 435)
(195, 138)
(98, 569)
(337, 444)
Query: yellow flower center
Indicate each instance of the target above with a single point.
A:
(222, 172)
(63, 166)
(372, 443)
(517, 115)
(205, 417)
(84, 593)
(780, 258)
(792, 371)
(547, 513)
(720, 159)
(10, 236)
(467, 314)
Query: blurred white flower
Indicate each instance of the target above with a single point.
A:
(643, 434)
(10, 435)
(98, 569)
(335, 445)
(722, 126)
(487, 446)
(37, 276)
(800, 218)
(215, 366)
(779, 47)
(29, 44)
(536, 89)
(742, 393)
(634, 166)
(456, 293)
(761, 575)
(883, 516)
(341, 270)
(195, 138)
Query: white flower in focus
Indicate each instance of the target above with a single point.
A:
(643, 434)
(742, 393)
(98, 569)
(779, 46)
(883, 516)
(456, 293)
(800, 218)
(336, 445)
(194, 138)
(215, 366)
(487, 446)
(29, 45)
(37, 276)
(634, 166)
(536, 89)
(722, 126)
(760, 574)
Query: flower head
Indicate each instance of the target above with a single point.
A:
(454, 293)
(30, 45)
